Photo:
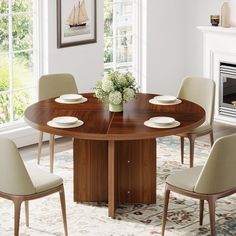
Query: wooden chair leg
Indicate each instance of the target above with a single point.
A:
(182, 149)
(166, 202)
(201, 212)
(191, 146)
(40, 146)
(17, 206)
(51, 144)
(212, 206)
(212, 138)
(27, 213)
(63, 209)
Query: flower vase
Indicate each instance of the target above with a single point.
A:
(116, 107)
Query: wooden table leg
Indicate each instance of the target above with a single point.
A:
(90, 171)
(115, 172)
(136, 171)
(112, 179)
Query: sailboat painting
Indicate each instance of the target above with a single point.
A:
(78, 15)
(76, 22)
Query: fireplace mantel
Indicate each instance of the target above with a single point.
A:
(218, 46)
(217, 29)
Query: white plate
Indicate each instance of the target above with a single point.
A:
(56, 125)
(165, 99)
(71, 97)
(82, 100)
(154, 102)
(162, 120)
(65, 120)
(150, 124)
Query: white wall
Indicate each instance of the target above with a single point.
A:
(197, 14)
(165, 44)
(173, 43)
(85, 62)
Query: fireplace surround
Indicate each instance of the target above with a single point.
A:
(227, 89)
(219, 63)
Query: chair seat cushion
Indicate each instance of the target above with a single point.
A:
(43, 180)
(185, 179)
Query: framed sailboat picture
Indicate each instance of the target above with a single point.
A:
(76, 22)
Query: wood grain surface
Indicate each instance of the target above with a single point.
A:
(100, 124)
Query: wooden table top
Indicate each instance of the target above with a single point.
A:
(100, 124)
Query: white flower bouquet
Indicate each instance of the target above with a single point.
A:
(116, 87)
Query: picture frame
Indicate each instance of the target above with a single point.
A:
(76, 22)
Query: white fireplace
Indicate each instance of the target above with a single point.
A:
(219, 45)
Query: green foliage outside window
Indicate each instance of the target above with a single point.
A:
(21, 98)
(108, 20)
(3, 6)
(22, 31)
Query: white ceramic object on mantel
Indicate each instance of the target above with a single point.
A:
(225, 15)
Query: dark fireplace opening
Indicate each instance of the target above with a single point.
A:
(227, 95)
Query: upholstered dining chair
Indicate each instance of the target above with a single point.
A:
(21, 183)
(54, 85)
(216, 179)
(201, 91)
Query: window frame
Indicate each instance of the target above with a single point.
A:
(35, 13)
(136, 46)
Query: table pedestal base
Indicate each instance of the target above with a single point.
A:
(131, 172)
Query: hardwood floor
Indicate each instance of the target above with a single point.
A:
(62, 144)
(31, 152)
(220, 130)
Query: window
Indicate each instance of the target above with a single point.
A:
(121, 42)
(18, 58)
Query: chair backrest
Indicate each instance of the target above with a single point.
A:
(54, 85)
(201, 91)
(14, 178)
(219, 172)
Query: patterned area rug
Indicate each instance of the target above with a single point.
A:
(131, 220)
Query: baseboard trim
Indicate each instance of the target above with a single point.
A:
(225, 120)
(23, 136)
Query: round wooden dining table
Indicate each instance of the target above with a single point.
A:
(114, 153)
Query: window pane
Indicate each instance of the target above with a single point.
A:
(22, 32)
(22, 5)
(17, 58)
(119, 30)
(4, 44)
(4, 73)
(22, 99)
(3, 6)
(124, 16)
(124, 49)
(108, 51)
(4, 108)
(23, 70)
(108, 18)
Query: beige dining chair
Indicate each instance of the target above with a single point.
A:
(216, 179)
(201, 91)
(21, 183)
(54, 85)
